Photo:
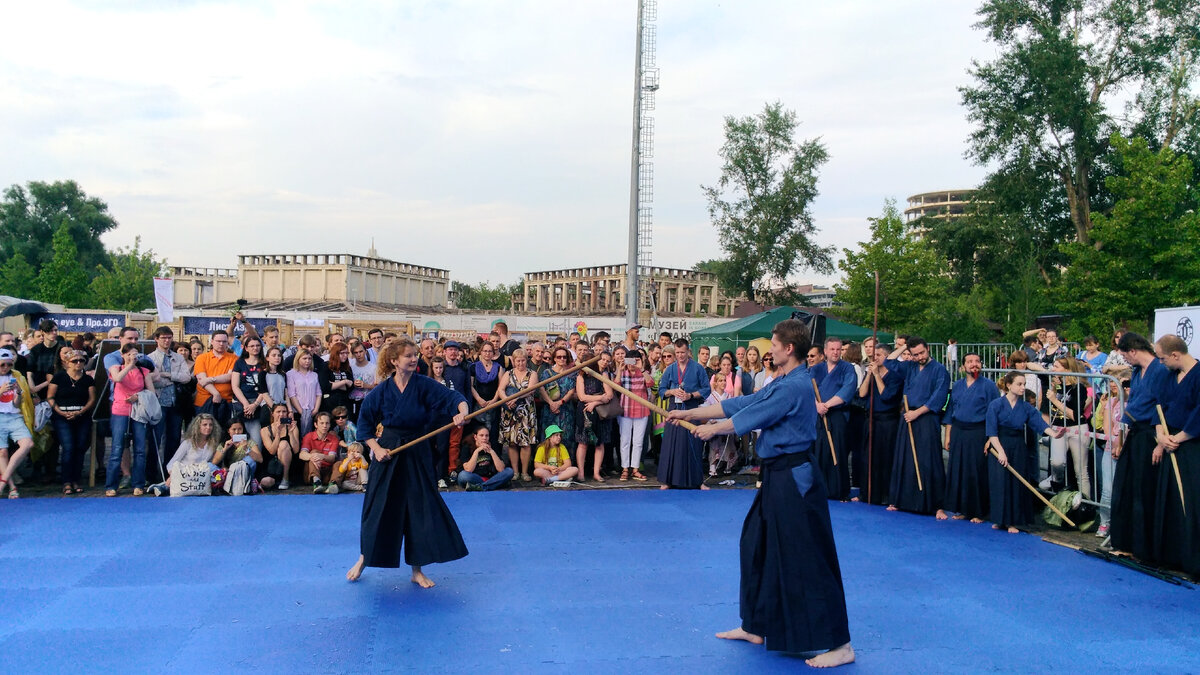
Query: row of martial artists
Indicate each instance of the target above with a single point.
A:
(908, 402)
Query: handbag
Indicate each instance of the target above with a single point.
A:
(610, 410)
(189, 480)
(146, 409)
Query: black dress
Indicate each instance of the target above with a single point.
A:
(402, 506)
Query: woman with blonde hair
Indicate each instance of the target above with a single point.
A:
(518, 419)
(1069, 406)
(402, 507)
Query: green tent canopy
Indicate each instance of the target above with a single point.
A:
(739, 332)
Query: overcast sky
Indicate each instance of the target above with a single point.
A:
(459, 134)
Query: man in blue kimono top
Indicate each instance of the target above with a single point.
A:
(967, 484)
(837, 382)
(1135, 478)
(927, 386)
(792, 597)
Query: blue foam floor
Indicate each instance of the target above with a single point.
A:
(604, 581)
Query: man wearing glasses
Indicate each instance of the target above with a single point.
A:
(375, 337)
(170, 369)
(926, 388)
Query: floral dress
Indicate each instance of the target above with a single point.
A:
(518, 426)
(565, 417)
(590, 429)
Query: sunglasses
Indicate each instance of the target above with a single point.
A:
(77, 361)
(560, 357)
(341, 417)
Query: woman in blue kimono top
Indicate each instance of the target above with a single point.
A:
(1008, 418)
(967, 479)
(926, 384)
(791, 583)
(1177, 535)
(881, 388)
(685, 384)
(402, 506)
(1135, 478)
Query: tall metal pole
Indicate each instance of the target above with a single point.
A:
(631, 282)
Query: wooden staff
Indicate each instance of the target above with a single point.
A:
(825, 420)
(912, 441)
(871, 402)
(492, 406)
(1174, 461)
(1032, 489)
(658, 409)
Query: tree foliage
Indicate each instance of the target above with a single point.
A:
(62, 280)
(913, 284)
(1144, 255)
(127, 284)
(483, 295)
(17, 277)
(29, 217)
(1044, 104)
(760, 204)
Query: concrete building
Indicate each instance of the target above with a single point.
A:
(602, 289)
(940, 204)
(330, 279)
(818, 296)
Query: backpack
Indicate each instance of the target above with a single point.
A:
(237, 480)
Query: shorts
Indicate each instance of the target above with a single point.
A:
(12, 428)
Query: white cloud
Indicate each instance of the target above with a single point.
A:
(487, 138)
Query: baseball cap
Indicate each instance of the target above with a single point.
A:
(636, 326)
(7, 355)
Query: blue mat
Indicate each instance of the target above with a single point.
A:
(607, 581)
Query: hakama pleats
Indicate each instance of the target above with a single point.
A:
(791, 582)
(1177, 538)
(837, 477)
(1011, 504)
(879, 460)
(681, 461)
(1134, 492)
(905, 492)
(967, 476)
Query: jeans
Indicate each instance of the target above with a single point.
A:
(499, 480)
(165, 436)
(121, 426)
(73, 438)
(633, 434)
(1106, 468)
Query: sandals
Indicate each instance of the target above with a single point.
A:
(637, 475)
(138, 492)
(12, 492)
(624, 474)
(76, 489)
(67, 489)
(110, 493)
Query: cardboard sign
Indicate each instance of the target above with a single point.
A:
(190, 480)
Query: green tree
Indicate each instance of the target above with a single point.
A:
(17, 277)
(61, 279)
(1144, 255)
(127, 284)
(760, 204)
(1043, 105)
(913, 284)
(30, 217)
(483, 295)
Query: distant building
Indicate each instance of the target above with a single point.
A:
(818, 296)
(327, 280)
(940, 204)
(602, 289)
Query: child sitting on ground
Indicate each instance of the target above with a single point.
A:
(350, 473)
(552, 461)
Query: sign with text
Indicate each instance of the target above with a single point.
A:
(206, 325)
(83, 323)
(1181, 321)
(189, 480)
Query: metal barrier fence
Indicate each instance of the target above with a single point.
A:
(1093, 453)
(993, 355)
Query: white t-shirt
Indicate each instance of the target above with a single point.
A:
(9, 398)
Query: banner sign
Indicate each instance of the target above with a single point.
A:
(164, 299)
(83, 323)
(1181, 321)
(207, 325)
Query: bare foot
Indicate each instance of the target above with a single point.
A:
(421, 580)
(941, 515)
(892, 508)
(977, 520)
(664, 487)
(995, 527)
(1013, 530)
(356, 571)
(833, 658)
(854, 499)
(704, 487)
(958, 516)
(739, 634)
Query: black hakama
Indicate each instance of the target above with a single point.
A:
(1011, 504)
(402, 507)
(856, 446)
(681, 461)
(904, 492)
(837, 477)
(1134, 492)
(1177, 535)
(881, 455)
(967, 478)
(791, 582)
